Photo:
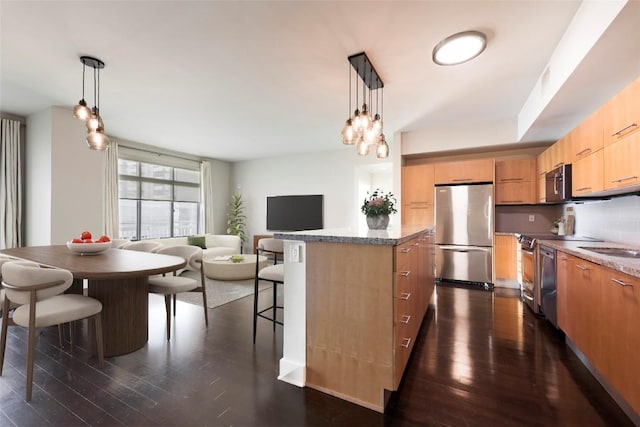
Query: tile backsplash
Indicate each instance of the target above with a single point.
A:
(616, 220)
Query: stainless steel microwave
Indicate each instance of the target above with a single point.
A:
(558, 184)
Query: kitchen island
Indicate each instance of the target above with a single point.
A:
(354, 303)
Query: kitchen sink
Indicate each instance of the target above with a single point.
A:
(621, 252)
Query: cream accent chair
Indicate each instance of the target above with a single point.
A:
(12, 305)
(120, 243)
(274, 274)
(174, 284)
(142, 246)
(42, 303)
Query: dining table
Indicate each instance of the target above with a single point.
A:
(118, 278)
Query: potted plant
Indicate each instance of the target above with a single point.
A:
(377, 207)
(236, 219)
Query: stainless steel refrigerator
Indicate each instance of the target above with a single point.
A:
(464, 233)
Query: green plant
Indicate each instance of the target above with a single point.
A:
(379, 203)
(236, 219)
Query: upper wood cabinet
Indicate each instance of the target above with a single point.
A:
(466, 171)
(588, 174)
(622, 114)
(544, 162)
(621, 165)
(417, 195)
(515, 182)
(588, 137)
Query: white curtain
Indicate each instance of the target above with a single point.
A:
(10, 186)
(110, 200)
(206, 187)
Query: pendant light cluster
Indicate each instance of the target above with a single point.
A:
(363, 129)
(96, 138)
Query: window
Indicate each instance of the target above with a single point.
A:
(157, 201)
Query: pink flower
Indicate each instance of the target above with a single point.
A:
(377, 202)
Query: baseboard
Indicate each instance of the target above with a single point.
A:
(292, 373)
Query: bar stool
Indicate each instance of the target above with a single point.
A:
(272, 273)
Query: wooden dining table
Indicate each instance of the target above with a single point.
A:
(118, 278)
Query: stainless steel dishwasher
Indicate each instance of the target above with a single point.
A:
(548, 291)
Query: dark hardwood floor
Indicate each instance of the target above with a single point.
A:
(481, 359)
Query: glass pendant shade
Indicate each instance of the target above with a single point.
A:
(94, 122)
(81, 111)
(348, 133)
(365, 118)
(370, 136)
(377, 124)
(362, 147)
(97, 140)
(382, 148)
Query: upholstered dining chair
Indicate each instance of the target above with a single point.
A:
(38, 291)
(272, 273)
(142, 246)
(120, 243)
(171, 285)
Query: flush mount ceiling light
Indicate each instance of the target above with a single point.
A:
(362, 129)
(96, 138)
(459, 48)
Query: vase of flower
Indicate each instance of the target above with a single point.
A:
(378, 222)
(377, 207)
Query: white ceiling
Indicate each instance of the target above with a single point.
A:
(237, 80)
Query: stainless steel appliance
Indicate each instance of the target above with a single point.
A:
(464, 233)
(531, 265)
(548, 291)
(558, 184)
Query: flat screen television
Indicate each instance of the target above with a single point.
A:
(294, 213)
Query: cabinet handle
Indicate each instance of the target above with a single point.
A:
(405, 273)
(405, 250)
(625, 178)
(405, 342)
(586, 150)
(632, 125)
(511, 179)
(583, 189)
(620, 282)
(511, 201)
(581, 267)
(405, 319)
(462, 179)
(405, 295)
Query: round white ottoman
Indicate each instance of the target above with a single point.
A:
(225, 269)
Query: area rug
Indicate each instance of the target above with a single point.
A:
(219, 292)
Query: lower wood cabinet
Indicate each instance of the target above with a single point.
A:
(365, 305)
(599, 311)
(505, 248)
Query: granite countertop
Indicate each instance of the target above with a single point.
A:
(363, 236)
(630, 266)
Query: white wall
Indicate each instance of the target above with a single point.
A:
(77, 179)
(615, 220)
(38, 179)
(331, 173)
(221, 172)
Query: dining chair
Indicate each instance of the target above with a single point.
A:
(38, 291)
(142, 246)
(120, 243)
(171, 285)
(272, 273)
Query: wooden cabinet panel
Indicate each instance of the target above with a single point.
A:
(516, 193)
(558, 153)
(505, 251)
(622, 114)
(565, 323)
(481, 170)
(508, 171)
(588, 137)
(583, 315)
(621, 334)
(621, 165)
(588, 174)
(540, 190)
(418, 215)
(417, 195)
(543, 162)
(417, 184)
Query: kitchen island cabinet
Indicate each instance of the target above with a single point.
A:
(366, 296)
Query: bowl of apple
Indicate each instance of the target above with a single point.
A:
(85, 245)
